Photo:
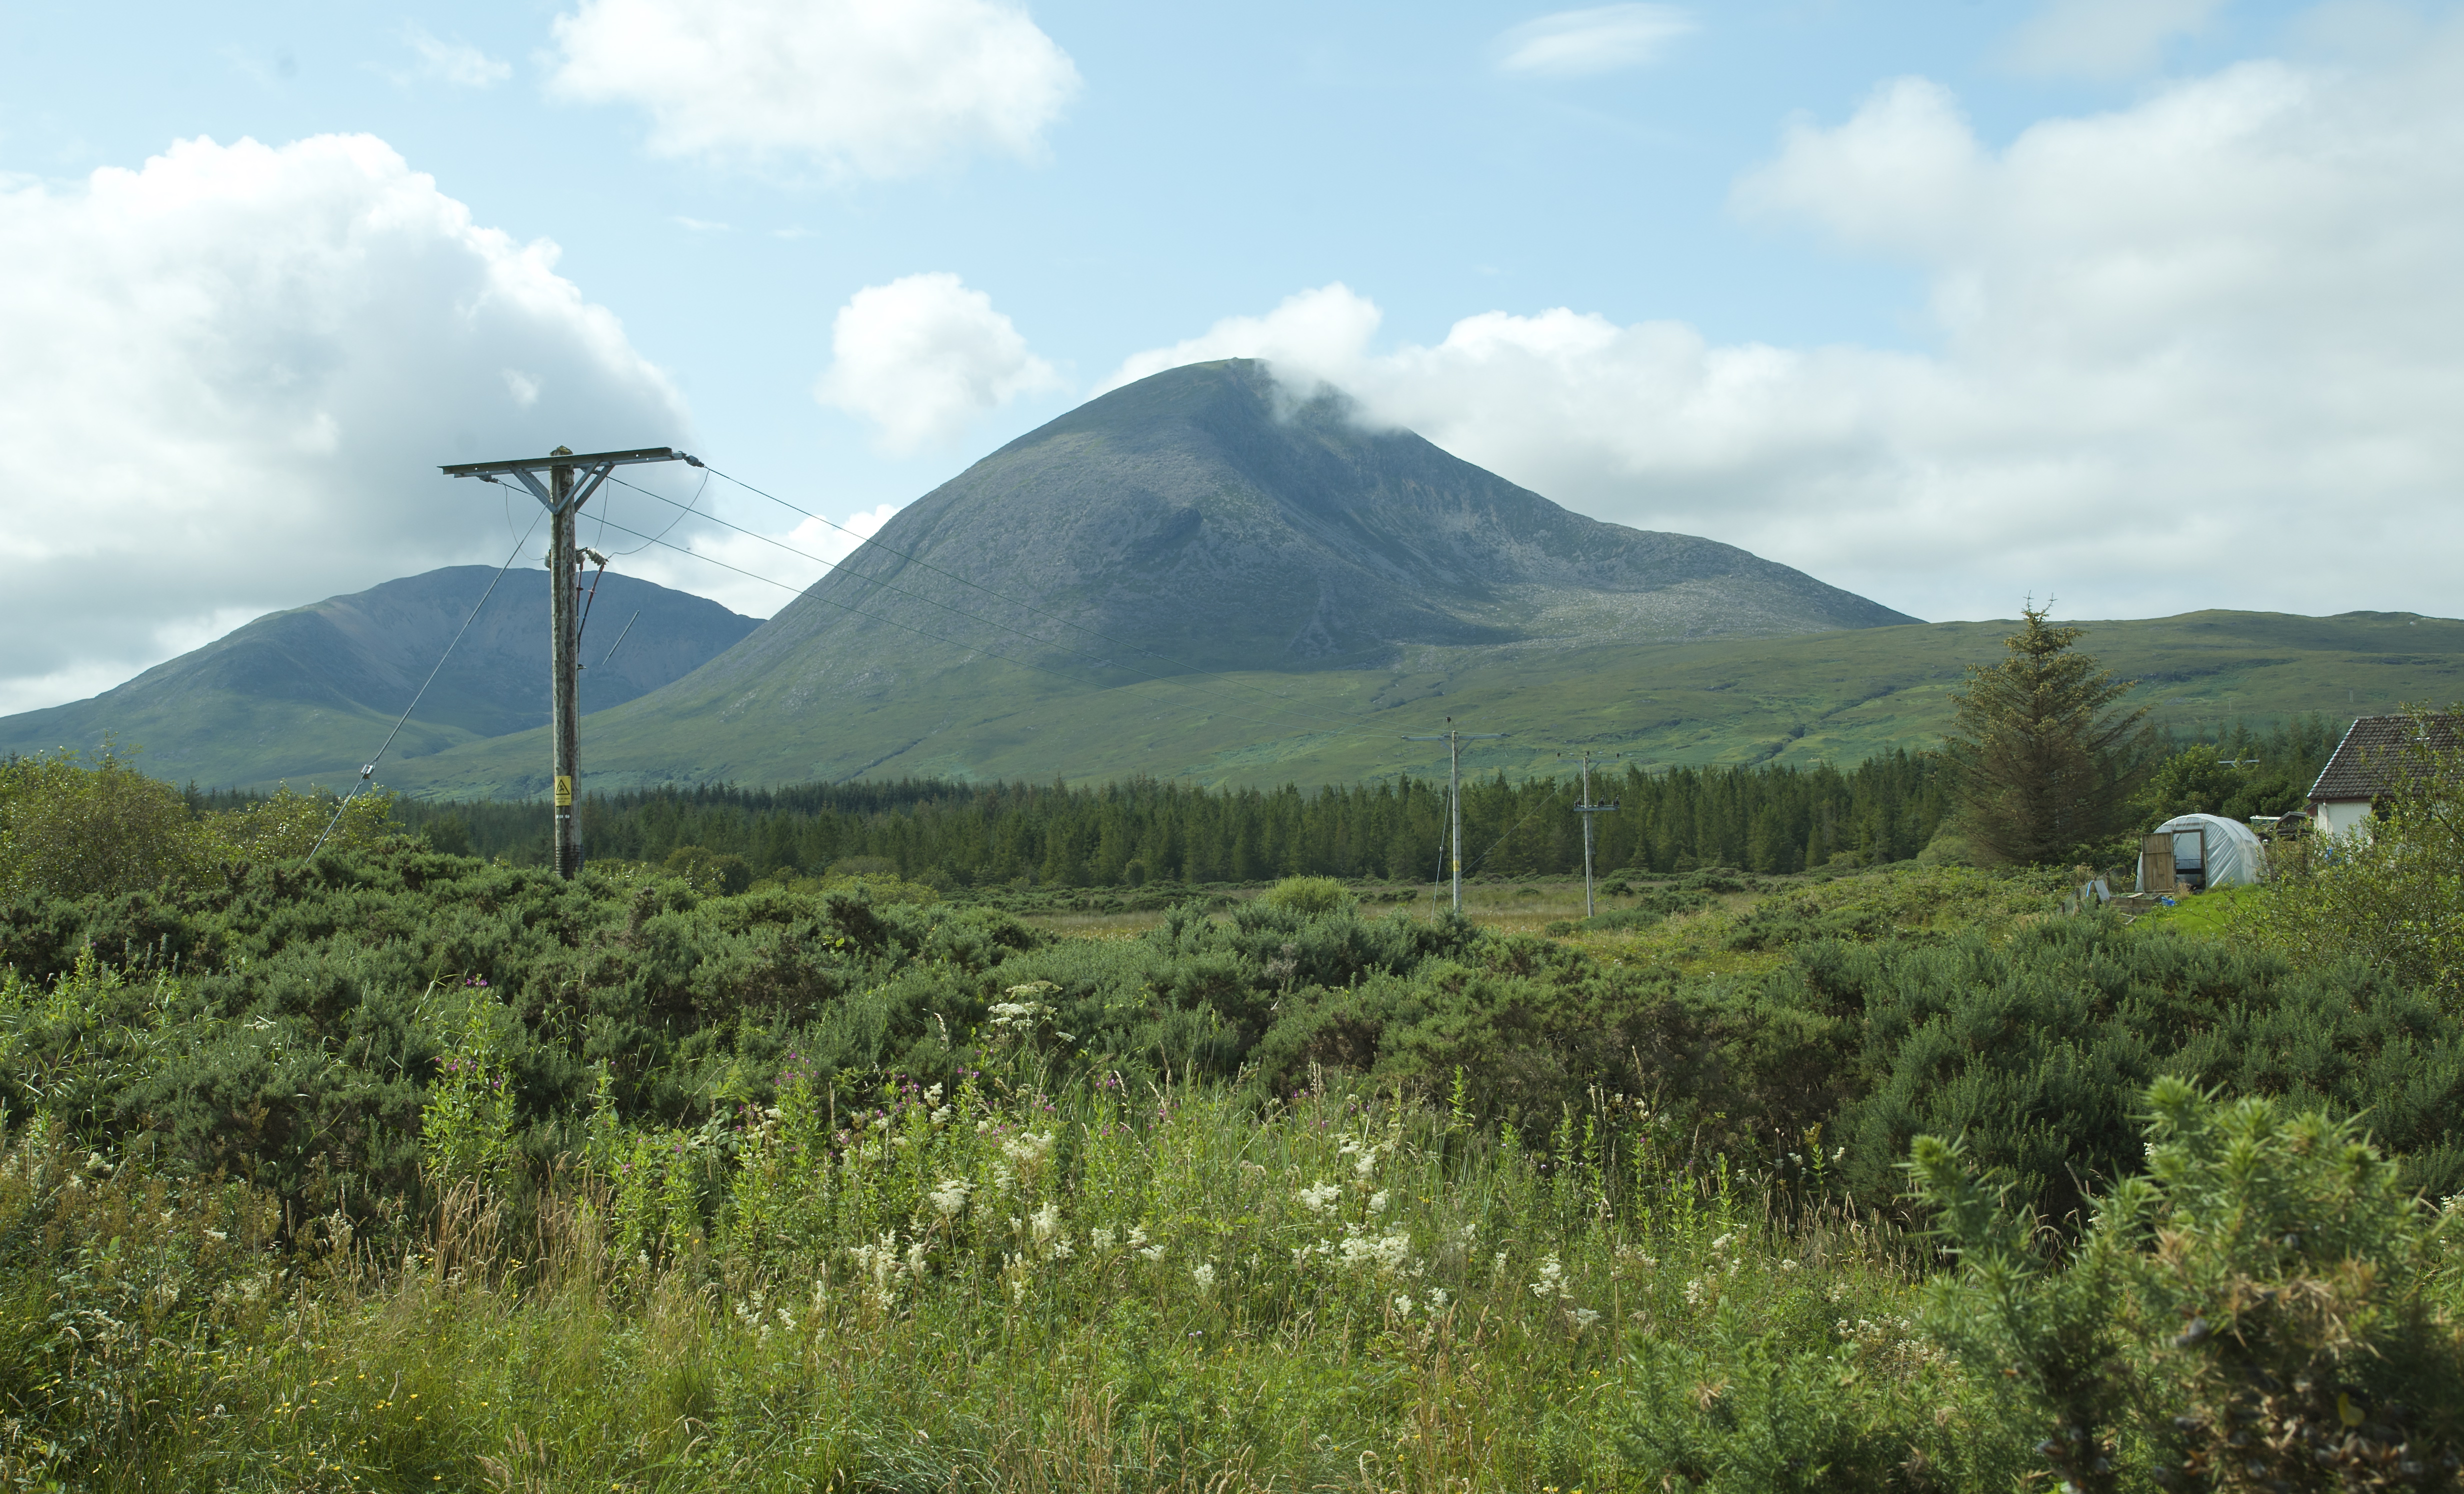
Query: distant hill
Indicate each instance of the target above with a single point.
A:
(1193, 521)
(306, 696)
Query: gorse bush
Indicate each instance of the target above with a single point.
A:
(2267, 1307)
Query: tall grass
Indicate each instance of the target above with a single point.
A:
(1007, 1287)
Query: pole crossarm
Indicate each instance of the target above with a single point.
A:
(591, 469)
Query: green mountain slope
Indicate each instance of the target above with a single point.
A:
(1836, 696)
(307, 694)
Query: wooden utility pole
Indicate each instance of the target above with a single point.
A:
(564, 694)
(1587, 809)
(1454, 789)
(571, 480)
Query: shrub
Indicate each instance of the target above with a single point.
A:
(1309, 895)
(2260, 1308)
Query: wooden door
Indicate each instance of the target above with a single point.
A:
(2156, 864)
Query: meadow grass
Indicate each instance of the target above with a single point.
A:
(1005, 1288)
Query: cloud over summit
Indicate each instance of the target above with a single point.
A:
(2213, 328)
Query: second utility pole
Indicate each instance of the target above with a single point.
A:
(1587, 809)
(1454, 789)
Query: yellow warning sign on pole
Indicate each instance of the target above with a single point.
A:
(564, 792)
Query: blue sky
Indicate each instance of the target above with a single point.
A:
(2145, 306)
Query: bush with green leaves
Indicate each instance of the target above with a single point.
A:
(73, 828)
(2267, 1305)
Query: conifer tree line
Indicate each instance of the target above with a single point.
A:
(1772, 819)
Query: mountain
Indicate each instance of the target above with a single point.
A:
(1193, 523)
(307, 694)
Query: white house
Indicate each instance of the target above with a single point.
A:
(2367, 763)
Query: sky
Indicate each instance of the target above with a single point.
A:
(2141, 306)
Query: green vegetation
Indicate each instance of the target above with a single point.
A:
(2392, 895)
(72, 829)
(396, 1168)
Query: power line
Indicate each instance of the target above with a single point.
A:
(369, 771)
(863, 541)
(976, 617)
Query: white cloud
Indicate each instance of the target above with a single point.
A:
(226, 380)
(2104, 38)
(454, 62)
(2198, 352)
(857, 87)
(1603, 39)
(923, 357)
(1324, 333)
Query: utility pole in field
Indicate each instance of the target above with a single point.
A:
(1454, 789)
(1587, 809)
(570, 482)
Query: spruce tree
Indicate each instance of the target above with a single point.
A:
(2041, 760)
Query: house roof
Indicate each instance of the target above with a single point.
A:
(2374, 754)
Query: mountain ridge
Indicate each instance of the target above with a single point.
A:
(307, 693)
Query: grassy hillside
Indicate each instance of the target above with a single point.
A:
(307, 694)
(1836, 696)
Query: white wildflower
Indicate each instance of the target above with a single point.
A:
(1694, 1292)
(1101, 1239)
(951, 1197)
(1584, 1317)
(1377, 1201)
(1046, 1222)
(1387, 1252)
(933, 1095)
(1722, 1243)
(1788, 1265)
(1319, 1198)
(1204, 1276)
(1137, 1237)
(1402, 1304)
(1437, 1299)
(217, 1236)
(915, 1260)
(941, 1115)
(1552, 1279)
(1028, 1150)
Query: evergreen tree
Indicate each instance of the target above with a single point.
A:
(2041, 760)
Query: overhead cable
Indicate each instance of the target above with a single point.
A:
(369, 771)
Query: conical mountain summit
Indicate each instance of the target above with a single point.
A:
(1191, 523)
(1197, 516)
